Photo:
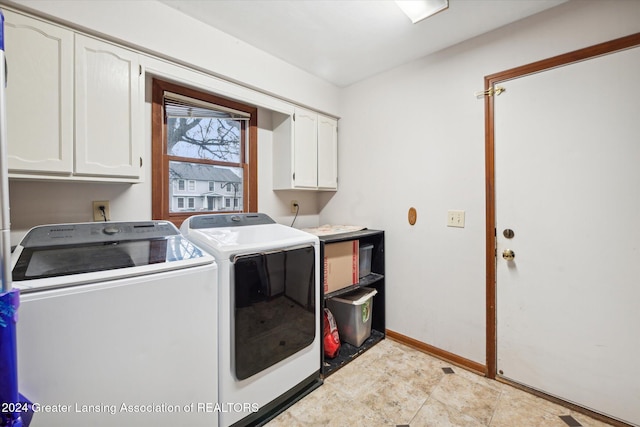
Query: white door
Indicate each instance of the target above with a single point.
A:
(567, 183)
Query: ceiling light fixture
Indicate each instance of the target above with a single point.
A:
(417, 10)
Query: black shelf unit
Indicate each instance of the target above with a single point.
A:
(374, 280)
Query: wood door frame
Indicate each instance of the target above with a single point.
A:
(622, 43)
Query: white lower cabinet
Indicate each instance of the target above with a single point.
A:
(73, 104)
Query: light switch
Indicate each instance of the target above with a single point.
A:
(455, 219)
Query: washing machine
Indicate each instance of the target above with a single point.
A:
(269, 295)
(117, 326)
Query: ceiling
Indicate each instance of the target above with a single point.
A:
(345, 41)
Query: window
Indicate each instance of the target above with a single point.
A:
(180, 205)
(198, 140)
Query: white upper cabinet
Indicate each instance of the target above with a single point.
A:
(305, 152)
(327, 152)
(73, 105)
(305, 149)
(39, 95)
(107, 109)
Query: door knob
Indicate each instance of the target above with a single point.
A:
(508, 254)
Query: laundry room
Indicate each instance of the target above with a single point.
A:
(502, 290)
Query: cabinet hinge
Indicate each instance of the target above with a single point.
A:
(139, 70)
(140, 161)
(294, 176)
(294, 117)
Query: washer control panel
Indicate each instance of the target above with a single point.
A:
(97, 232)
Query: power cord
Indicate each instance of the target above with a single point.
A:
(297, 210)
(103, 212)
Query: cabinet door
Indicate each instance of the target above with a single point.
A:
(39, 96)
(107, 109)
(282, 164)
(305, 149)
(327, 152)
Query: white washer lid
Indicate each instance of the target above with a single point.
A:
(224, 242)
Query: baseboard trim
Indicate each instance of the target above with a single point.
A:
(438, 352)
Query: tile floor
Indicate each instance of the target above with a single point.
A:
(395, 385)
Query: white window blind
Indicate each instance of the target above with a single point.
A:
(182, 106)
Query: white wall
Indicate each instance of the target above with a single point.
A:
(246, 73)
(414, 136)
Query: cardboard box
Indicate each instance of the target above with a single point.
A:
(341, 265)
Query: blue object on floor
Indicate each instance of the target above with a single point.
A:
(16, 408)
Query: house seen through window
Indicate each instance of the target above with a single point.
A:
(204, 151)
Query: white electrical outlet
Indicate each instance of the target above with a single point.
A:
(294, 206)
(455, 219)
(99, 214)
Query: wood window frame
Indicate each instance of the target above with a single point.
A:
(160, 159)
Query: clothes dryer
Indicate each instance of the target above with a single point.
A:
(269, 347)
